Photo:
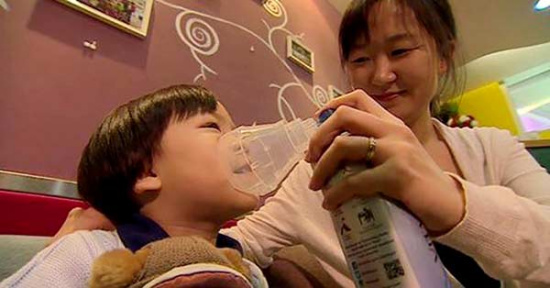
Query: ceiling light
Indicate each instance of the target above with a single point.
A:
(542, 5)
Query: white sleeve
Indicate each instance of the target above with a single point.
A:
(520, 172)
(507, 224)
(65, 263)
(274, 225)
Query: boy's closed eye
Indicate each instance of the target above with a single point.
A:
(212, 125)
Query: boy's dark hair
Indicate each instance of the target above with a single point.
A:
(434, 16)
(122, 148)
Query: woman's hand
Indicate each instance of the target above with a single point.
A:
(401, 168)
(83, 219)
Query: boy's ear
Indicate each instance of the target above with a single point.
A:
(147, 183)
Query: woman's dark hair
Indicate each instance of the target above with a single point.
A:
(122, 148)
(434, 16)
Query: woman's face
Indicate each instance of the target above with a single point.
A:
(399, 66)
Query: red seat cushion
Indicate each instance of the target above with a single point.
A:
(229, 224)
(33, 214)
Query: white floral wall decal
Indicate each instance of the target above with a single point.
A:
(203, 41)
(4, 5)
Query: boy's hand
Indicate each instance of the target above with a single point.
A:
(83, 219)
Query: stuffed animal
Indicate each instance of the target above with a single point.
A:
(122, 268)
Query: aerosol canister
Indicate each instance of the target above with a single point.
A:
(384, 245)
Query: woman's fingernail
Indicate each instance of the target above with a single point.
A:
(312, 157)
(327, 206)
(313, 185)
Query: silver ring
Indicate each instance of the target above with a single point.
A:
(371, 149)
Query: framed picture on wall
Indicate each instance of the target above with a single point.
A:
(131, 16)
(334, 92)
(299, 54)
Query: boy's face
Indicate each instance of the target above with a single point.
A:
(192, 171)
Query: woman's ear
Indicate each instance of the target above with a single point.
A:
(147, 183)
(443, 67)
(444, 62)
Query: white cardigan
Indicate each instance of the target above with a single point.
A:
(506, 227)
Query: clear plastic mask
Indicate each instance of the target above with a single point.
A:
(260, 156)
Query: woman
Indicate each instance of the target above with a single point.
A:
(478, 192)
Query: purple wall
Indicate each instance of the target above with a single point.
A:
(54, 92)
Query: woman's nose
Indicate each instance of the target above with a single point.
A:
(383, 72)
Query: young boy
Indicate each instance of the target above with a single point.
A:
(153, 168)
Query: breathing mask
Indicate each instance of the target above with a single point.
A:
(259, 157)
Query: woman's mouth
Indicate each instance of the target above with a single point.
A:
(386, 97)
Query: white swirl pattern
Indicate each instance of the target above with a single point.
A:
(201, 37)
(273, 7)
(320, 95)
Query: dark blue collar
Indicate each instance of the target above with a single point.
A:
(140, 230)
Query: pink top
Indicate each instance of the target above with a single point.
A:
(506, 227)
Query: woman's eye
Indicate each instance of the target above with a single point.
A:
(212, 125)
(400, 52)
(360, 60)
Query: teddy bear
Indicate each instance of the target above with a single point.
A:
(122, 268)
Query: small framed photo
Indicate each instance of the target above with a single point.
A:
(300, 54)
(131, 16)
(334, 92)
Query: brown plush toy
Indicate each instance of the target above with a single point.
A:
(122, 268)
